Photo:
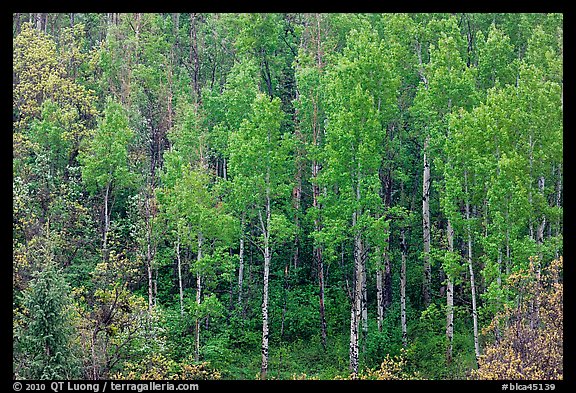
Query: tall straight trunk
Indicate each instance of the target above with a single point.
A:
(284, 300)
(471, 270)
(530, 179)
(149, 253)
(364, 303)
(106, 223)
(387, 280)
(403, 288)
(542, 224)
(297, 196)
(383, 286)
(426, 224)
(317, 248)
(449, 298)
(315, 169)
(267, 257)
(241, 257)
(320, 265)
(181, 292)
(558, 201)
(194, 56)
(150, 281)
(17, 22)
(198, 298)
(356, 308)
(379, 295)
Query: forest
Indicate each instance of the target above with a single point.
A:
(287, 196)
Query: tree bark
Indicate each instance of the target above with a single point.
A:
(194, 56)
(449, 298)
(356, 309)
(403, 288)
(181, 292)
(471, 270)
(379, 295)
(198, 298)
(241, 257)
(364, 302)
(426, 224)
(558, 203)
(149, 253)
(267, 257)
(106, 223)
(356, 304)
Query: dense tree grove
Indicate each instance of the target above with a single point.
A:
(287, 196)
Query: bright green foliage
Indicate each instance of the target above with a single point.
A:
(256, 149)
(495, 64)
(211, 186)
(361, 96)
(105, 160)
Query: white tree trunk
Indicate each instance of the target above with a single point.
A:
(180, 277)
(149, 255)
(198, 298)
(426, 223)
(267, 257)
(450, 298)
(241, 257)
(471, 270)
(356, 309)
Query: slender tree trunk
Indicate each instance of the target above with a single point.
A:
(403, 288)
(320, 264)
(267, 257)
(356, 301)
(297, 194)
(542, 224)
(267, 75)
(317, 248)
(16, 19)
(39, 17)
(426, 224)
(530, 182)
(387, 280)
(93, 351)
(357, 304)
(106, 223)
(364, 303)
(450, 298)
(379, 294)
(285, 298)
(471, 270)
(558, 201)
(198, 298)
(241, 257)
(194, 56)
(180, 276)
(150, 281)
(149, 256)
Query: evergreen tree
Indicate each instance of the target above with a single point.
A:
(46, 343)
